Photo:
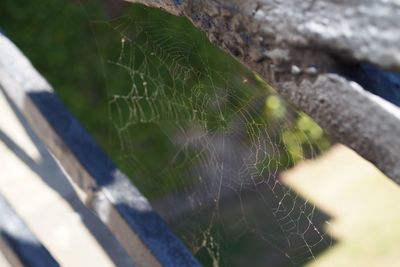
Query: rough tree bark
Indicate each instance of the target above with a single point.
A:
(299, 46)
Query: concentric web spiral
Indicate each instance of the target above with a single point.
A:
(206, 140)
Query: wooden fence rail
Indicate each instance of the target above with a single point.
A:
(18, 244)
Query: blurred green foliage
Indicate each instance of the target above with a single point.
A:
(57, 37)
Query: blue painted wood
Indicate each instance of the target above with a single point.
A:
(20, 241)
(146, 224)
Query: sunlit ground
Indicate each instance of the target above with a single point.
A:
(363, 203)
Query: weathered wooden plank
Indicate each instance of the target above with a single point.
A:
(114, 199)
(303, 49)
(362, 30)
(21, 148)
(18, 244)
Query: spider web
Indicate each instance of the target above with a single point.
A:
(205, 140)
